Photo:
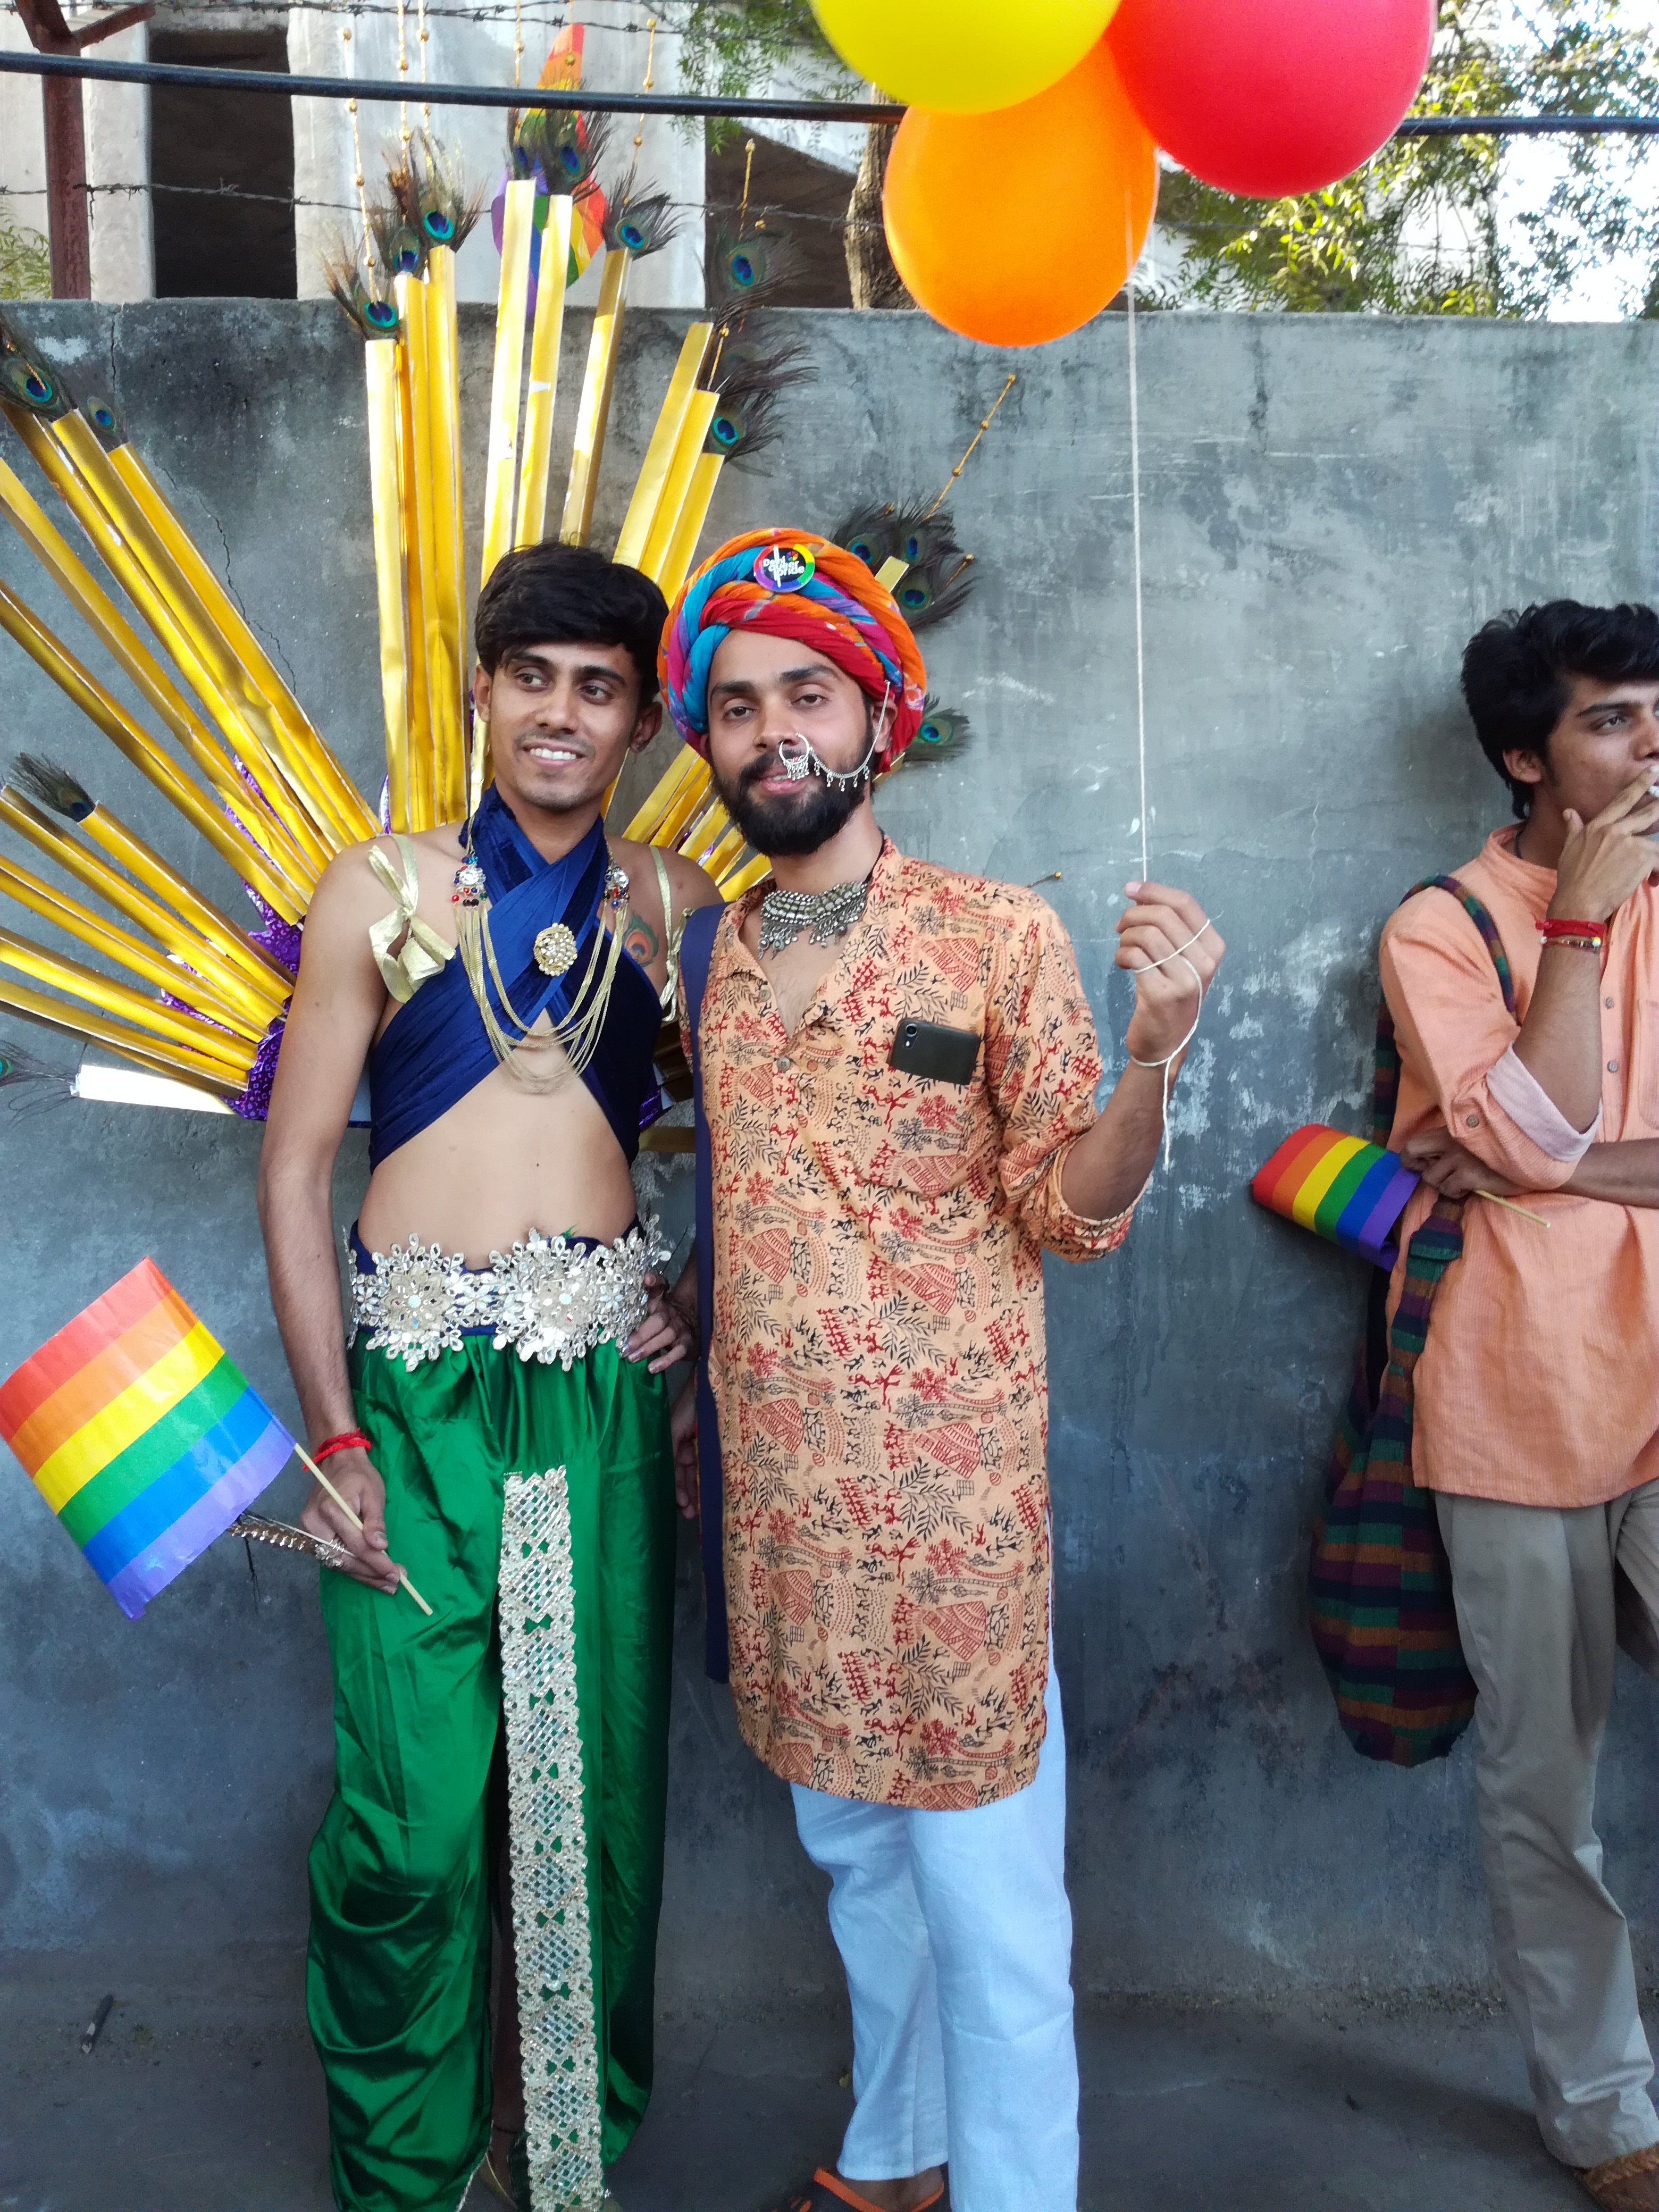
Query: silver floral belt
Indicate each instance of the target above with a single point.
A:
(552, 1297)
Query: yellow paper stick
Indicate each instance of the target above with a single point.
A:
(152, 1053)
(415, 504)
(673, 780)
(232, 1057)
(177, 915)
(305, 745)
(443, 431)
(324, 1482)
(294, 843)
(720, 857)
(892, 572)
(593, 411)
(745, 877)
(199, 988)
(231, 844)
(656, 469)
(664, 523)
(694, 512)
(116, 634)
(501, 469)
(245, 718)
(692, 798)
(380, 376)
(545, 343)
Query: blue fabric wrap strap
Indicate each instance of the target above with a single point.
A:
(434, 1049)
(697, 950)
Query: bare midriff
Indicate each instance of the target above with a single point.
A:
(500, 1162)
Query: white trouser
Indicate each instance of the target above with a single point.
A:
(956, 1934)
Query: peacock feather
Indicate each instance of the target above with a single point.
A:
(19, 1066)
(748, 271)
(48, 785)
(431, 195)
(640, 222)
(107, 425)
(357, 289)
(563, 149)
(748, 379)
(26, 381)
(943, 730)
(938, 575)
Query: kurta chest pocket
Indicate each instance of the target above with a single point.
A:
(908, 1132)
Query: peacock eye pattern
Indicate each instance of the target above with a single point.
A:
(24, 381)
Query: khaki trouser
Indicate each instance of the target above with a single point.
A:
(1544, 1595)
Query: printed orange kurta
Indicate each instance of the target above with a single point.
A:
(877, 1358)
(1538, 1383)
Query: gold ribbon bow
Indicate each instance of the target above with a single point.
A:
(423, 953)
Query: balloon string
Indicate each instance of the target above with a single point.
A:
(1134, 510)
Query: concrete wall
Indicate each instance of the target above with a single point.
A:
(1330, 507)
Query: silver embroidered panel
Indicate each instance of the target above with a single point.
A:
(549, 1299)
(550, 1911)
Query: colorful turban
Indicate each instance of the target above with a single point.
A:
(791, 583)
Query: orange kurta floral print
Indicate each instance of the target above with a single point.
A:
(877, 1358)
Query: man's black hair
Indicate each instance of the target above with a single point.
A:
(1517, 668)
(556, 594)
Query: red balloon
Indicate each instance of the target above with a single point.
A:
(1270, 97)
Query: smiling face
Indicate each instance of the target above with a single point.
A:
(563, 720)
(1607, 734)
(762, 690)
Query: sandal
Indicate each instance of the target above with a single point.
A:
(1629, 2184)
(828, 2192)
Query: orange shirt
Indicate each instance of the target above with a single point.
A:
(1540, 1380)
(877, 1355)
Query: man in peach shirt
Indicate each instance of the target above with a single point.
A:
(1537, 1402)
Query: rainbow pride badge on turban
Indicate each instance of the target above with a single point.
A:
(784, 569)
(1346, 1191)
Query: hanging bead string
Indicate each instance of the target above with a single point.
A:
(517, 40)
(349, 68)
(984, 424)
(403, 76)
(425, 105)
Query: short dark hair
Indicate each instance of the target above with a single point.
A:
(1516, 667)
(556, 594)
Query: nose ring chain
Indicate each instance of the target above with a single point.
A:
(798, 759)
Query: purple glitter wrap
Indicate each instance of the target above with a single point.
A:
(254, 1103)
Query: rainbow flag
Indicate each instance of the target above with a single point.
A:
(1351, 1193)
(140, 1434)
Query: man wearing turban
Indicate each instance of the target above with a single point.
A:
(896, 1069)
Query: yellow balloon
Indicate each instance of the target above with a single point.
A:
(962, 56)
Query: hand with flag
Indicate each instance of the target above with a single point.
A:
(145, 1437)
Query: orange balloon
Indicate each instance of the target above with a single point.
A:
(1015, 227)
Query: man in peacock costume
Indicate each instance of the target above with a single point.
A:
(497, 968)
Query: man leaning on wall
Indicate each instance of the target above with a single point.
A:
(1537, 1413)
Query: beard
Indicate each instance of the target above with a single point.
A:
(788, 827)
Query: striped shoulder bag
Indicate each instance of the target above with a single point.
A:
(1379, 1583)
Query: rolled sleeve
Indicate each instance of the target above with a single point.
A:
(1535, 1114)
(1453, 1030)
(1042, 1066)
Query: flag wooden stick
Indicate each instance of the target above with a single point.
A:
(1510, 1207)
(306, 1458)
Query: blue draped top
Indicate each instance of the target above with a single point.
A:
(435, 1049)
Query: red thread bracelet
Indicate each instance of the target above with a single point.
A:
(348, 1440)
(1549, 929)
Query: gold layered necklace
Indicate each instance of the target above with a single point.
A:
(555, 950)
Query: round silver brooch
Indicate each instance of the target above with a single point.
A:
(555, 950)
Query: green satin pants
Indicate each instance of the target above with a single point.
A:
(399, 1970)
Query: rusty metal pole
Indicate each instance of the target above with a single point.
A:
(68, 228)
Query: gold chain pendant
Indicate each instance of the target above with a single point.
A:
(555, 950)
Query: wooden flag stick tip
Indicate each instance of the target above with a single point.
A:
(1510, 1207)
(306, 1460)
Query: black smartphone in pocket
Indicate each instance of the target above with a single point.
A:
(929, 1048)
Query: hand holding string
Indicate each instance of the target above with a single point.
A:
(1172, 947)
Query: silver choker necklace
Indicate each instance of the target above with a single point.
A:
(828, 915)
